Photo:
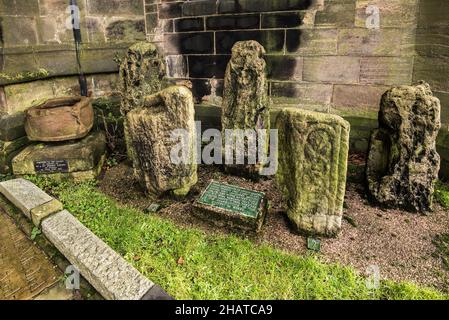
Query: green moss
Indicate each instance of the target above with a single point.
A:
(24, 76)
(442, 194)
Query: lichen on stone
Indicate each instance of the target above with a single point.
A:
(403, 163)
(245, 100)
(312, 166)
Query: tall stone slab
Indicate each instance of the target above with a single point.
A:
(403, 163)
(245, 102)
(312, 165)
(161, 139)
(141, 74)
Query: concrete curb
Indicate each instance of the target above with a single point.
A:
(111, 275)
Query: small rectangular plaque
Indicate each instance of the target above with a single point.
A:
(51, 166)
(314, 244)
(233, 205)
(232, 198)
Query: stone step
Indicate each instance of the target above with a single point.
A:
(107, 271)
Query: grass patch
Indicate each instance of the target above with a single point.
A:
(216, 267)
(442, 194)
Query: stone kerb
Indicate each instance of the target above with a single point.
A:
(112, 276)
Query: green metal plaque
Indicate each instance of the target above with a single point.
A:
(232, 198)
(314, 244)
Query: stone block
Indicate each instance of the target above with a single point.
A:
(444, 100)
(433, 70)
(104, 85)
(231, 206)
(369, 42)
(24, 195)
(126, 30)
(393, 13)
(245, 103)
(332, 69)
(176, 66)
(102, 60)
(156, 293)
(8, 150)
(271, 40)
(233, 22)
(403, 163)
(12, 126)
(304, 92)
(386, 70)
(106, 271)
(52, 30)
(19, 8)
(312, 156)
(78, 160)
(336, 14)
(312, 41)
(141, 73)
(161, 141)
(358, 97)
(57, 7)
(45, 210)
(189, 43)
(284, 67)
(15, 36)
(21, 97)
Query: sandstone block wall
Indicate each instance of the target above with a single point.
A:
(319, 53)
(36, 44)
(432, 63)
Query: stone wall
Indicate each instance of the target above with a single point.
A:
(432, 46)
(36, 44)
(432, 62)
(320, 53)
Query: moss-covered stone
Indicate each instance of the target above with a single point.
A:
(403, 163)
(8, 150)
(312, 160)
(151, 145)
(83, 157)
(141, 73)
(245, 101)
(41, 212)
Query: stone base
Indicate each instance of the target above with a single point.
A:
(84, 158)
(223, 218)
(8, 150)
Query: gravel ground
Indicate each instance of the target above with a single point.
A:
(398, 242)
